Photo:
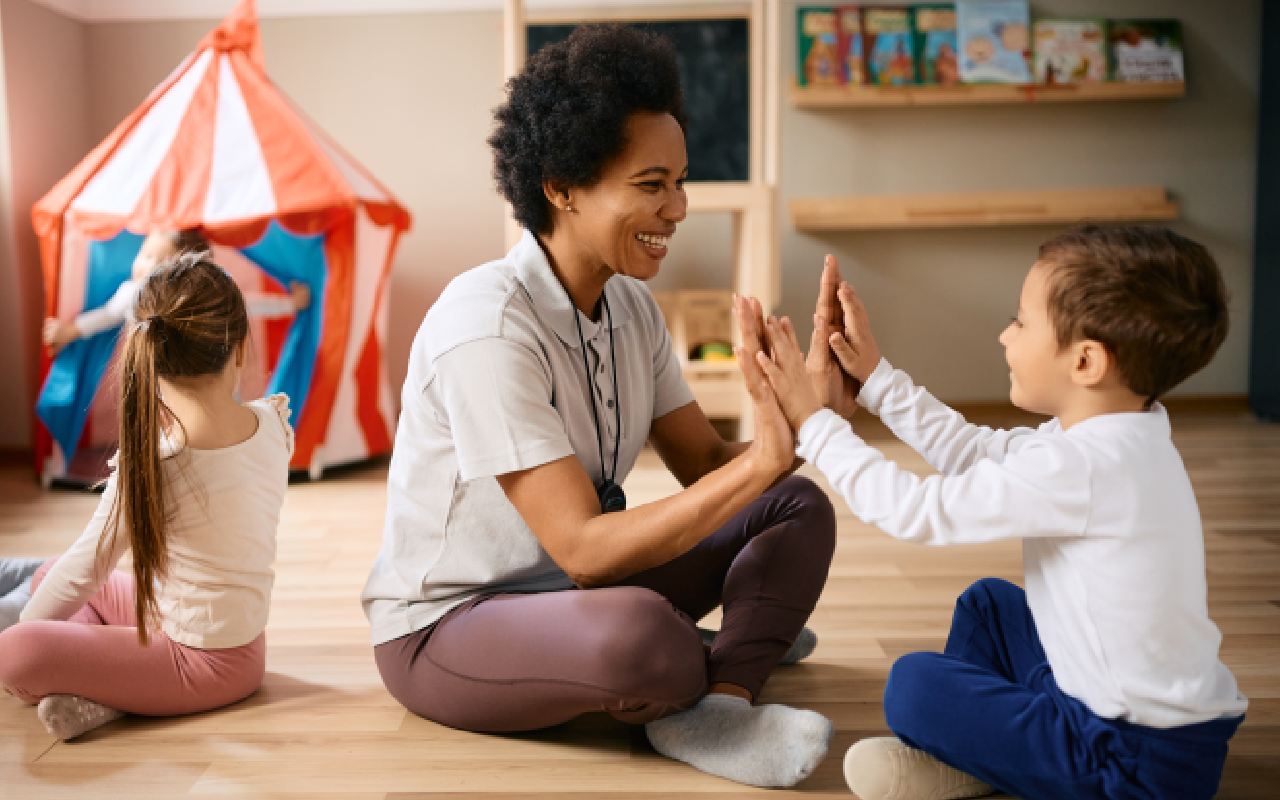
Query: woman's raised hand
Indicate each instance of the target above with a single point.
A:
(773, 448)
(787, 374)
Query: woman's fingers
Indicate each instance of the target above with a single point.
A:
(777, 379)
(845, 354)
(828, 301)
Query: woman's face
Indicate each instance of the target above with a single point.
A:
(627, 218)
(156, 248)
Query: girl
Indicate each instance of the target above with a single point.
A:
(157, 248)
(195, 495)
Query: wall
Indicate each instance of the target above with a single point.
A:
(410, 95)
(46, 108)
(939, 299)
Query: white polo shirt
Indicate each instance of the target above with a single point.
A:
(497, 384)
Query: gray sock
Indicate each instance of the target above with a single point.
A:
(770, 746)
(67, 716)
(801, 648)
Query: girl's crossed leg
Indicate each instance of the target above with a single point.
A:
(96, 655)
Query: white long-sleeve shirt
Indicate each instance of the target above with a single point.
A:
(1113, 550)
(224, 506)
(119, 309)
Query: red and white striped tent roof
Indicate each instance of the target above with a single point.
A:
(218, 147)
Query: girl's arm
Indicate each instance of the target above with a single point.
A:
(79, 573)
(110, 314)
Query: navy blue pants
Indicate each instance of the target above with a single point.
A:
(989, 706)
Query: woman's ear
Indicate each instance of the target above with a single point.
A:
(242, 350)
(557, 195)
(1093, 363)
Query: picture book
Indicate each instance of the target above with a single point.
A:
(819, 61)
(888, 45)
(853, 63)
(935, 27)
(995, 41)
(1146, 51)
(1070, 51)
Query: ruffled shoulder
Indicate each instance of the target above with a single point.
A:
(280, 402)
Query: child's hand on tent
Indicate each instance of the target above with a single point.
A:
(58, 334)
(300, 293)
(787, 373)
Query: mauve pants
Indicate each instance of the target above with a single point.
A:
(516, 662)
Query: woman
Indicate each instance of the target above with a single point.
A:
(505, 598)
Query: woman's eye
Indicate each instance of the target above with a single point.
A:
(1015, 321)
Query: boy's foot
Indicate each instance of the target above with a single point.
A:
(801, 648)
(884, 768)
(67, 716)
(771, 746)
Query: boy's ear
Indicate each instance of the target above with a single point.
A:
(1093, 362)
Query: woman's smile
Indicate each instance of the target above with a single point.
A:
(654, 245)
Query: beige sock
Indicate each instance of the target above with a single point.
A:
(884, 768)
(67, 716)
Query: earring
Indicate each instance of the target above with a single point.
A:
(568, 208)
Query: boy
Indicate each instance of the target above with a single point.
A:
(1102, 679)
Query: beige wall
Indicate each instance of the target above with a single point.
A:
(410, 96)
(45, 89)
(938, 299)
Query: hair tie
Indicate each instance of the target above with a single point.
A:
(157, 321)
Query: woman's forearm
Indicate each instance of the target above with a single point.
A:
(612, 547)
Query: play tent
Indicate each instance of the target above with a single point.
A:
(218, 147)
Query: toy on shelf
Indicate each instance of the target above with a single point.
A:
(217, 148)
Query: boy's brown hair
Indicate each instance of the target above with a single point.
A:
(1154, 299)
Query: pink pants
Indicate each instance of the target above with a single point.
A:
(96, 654)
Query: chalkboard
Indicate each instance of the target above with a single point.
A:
(714, 64)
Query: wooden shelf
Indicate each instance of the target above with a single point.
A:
(979, 209)
(978, 94)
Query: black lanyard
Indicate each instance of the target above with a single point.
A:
(610, 493)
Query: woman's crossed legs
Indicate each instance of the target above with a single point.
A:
(522, 662)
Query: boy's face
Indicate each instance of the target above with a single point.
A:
(1039, 371)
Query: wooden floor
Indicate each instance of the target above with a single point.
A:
(323, 726)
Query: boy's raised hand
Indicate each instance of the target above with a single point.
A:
(835, 388)
(787, 373)
(856, 348)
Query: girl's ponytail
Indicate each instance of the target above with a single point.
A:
(139, 506)
(191, 320)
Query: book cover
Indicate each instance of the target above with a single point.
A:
(1070, 51)
(995, 41)
(853, 62)
(1146, 51)
(887, 42)
(936, 44)
(818, 62)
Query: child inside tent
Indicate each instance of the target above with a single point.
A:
(158, 247)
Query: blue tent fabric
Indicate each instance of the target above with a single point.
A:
(77, 371)
(287, 258)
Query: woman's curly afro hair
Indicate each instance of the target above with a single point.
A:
(566, 112)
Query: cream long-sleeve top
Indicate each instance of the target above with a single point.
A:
(119, 309)
(225, 505)
(1113, 550)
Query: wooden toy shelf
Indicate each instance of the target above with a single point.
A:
(981, 209)
(980, 94)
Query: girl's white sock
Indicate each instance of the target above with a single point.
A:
(67, 716)
(771, 746)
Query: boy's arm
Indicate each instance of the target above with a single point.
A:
(1041, 490)
(933, 430)
(79, 573)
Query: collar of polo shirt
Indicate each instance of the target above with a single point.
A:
(550, 298)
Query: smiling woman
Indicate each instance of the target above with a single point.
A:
(514, 589)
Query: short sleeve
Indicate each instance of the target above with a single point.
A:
(279, 402)
(670, 390)
(496, 395)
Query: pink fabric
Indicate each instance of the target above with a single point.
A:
(96, 654)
